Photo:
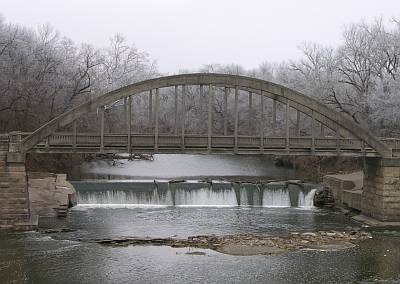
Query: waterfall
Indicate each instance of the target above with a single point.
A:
(307, 200)
(205, 197)
(276, 198)
(277, 194)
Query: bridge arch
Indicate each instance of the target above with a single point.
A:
(309, 106)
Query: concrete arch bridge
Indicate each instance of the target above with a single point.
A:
(235, 114)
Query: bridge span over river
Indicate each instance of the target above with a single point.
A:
(239, 115)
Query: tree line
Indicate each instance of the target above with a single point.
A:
(42, 74)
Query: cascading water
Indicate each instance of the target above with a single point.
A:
(278, 194)
(306, 200)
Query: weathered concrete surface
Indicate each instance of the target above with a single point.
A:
(14, 198)
(48, 192)
(353, 199)
(375, 193)
(374, 222)
(381, 192)
(346, 189)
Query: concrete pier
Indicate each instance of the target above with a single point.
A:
(14, 197)
(381, 191)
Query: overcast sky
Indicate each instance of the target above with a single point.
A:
(186, 34)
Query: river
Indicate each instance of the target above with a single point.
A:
(117, 204)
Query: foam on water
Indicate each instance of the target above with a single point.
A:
(192, 194)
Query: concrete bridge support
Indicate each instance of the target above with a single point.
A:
(381, 193)
(14, 197)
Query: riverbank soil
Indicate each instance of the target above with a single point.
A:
(249, 244)
(56, 163)
(315, 168)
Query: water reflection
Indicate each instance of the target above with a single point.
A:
(183, 165)
(34, 258)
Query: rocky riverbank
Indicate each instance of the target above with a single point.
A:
(248, 244)
(314, 168)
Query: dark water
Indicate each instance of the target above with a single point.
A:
(124, 209)
(71, 257)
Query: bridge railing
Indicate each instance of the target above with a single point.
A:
(169, 143)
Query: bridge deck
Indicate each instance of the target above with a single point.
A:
(148, 143)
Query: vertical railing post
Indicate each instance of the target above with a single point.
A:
(274, 118)
(250, 125)
(129, 124)
(102, 129)
(337, 134)
(74, 134)
(363, 149)
(312, 132)
(226, 111)
(201, 103)
(176, 109)
(156, 122)
(298, 124)
(287, 125)
(210, 116)
(262, 123)
(47, 142)
(151, 109)
(14, 142)
(236, 119)
(322, 131)
(125, 113)
(183, 116)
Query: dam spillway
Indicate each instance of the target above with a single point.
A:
(194, 193)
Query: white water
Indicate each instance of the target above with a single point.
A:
(186, 195)
(276, 198)
(306, 200)
(205, 197)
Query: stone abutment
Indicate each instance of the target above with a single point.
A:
(381, 191)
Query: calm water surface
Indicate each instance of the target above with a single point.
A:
(73, 257)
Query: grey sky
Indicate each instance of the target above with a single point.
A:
(186, 34)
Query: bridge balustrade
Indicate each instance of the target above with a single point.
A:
(192, 143)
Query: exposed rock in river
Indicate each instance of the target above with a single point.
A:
(323, 198)
(252, 244)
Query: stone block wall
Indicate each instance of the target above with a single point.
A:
(14, 198)
(48, 192)
(352, 199)
(345, 189)
(381, 194)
